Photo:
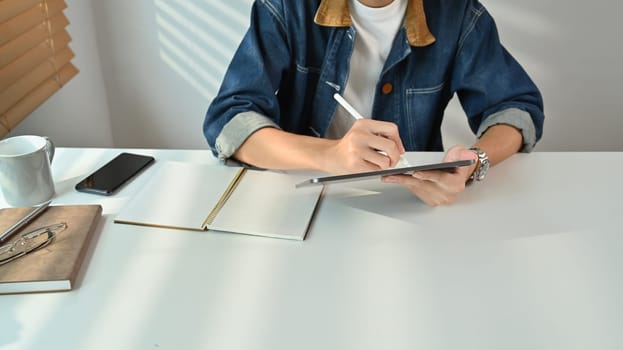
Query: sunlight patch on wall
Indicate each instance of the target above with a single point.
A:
(173, 58)
(224, 25)
(198, 38)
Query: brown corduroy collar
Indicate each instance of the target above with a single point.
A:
(335, 13)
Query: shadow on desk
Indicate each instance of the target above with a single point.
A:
(388, 200)
(11, 328)
(479, 213)
(90, 250)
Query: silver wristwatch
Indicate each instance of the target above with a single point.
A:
(482, 166)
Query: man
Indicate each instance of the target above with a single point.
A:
(399, 62)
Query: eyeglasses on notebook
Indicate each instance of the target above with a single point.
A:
(29, 242)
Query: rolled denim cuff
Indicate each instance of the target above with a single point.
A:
(517, 118)
(238, 129)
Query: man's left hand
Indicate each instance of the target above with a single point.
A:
(437, 187)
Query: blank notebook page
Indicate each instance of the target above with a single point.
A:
(178, 195)
(268, 204)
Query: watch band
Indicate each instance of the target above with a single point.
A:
(482, 166)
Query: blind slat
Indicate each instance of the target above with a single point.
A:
(27, 105)
(20, 45)
(10, 73)
(28, 82)
(11, 8)
(21, 23)
(35, 57)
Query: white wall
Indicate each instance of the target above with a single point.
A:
(162, 62)
(77, 115)
(573, 52)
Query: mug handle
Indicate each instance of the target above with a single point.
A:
(49, 148)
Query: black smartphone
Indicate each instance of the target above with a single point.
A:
(110, 177)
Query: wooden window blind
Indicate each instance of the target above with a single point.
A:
(35, 58)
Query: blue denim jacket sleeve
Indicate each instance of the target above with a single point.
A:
(259, 62)
(492, 86)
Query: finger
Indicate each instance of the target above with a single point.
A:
(372, 147)
(427, 191)
(385, 129)
(379, 160)
(358, 165)
(386, 147)
(405, 180)
(445, 181)
(459, 152)
(430, 175)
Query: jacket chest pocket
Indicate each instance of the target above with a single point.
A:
(424, 114)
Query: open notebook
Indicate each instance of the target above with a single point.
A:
(216, 197)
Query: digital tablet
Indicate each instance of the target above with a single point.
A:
(445, 166)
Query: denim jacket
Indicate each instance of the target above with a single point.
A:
(295, 56)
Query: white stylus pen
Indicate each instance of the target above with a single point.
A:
(353, 112)
(347, 106)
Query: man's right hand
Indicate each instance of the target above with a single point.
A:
(358, 151)
(369, 145)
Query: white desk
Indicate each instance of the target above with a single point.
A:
(530, 259)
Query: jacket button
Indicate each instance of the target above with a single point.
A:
(387, 88)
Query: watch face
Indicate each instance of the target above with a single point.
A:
(482, 170)
(483, 164)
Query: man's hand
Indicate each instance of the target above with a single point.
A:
(368, 145)
(436, 187)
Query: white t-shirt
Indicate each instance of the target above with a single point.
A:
(376, 29)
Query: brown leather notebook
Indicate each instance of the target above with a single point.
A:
(53, 267)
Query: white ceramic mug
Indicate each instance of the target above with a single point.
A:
(25, 174)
